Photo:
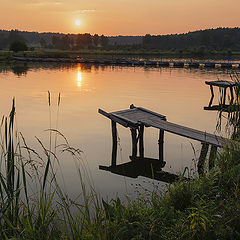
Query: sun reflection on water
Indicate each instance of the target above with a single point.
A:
(79, 77)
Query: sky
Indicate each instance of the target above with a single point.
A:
(118, 17)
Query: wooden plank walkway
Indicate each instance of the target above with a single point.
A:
(137, 116)
(221, 83)
(130, 62)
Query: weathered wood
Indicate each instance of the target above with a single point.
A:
(141, 141)
(148, 119)
(221, 83)
(114, 143)
(151, 112)
(160, 144)
(127, 120)
(212, 157)
(134, 141)
(202, 158)
(115, 119)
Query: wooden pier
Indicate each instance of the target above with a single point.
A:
(223, 86)
(137, 118)
(132, 62)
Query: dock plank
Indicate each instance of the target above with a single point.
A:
(137, 116)
(221, 83)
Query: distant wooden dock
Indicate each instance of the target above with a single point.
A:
(223, 86)
(130, 62)
(136, 118)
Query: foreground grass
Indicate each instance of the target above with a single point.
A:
(205, 208)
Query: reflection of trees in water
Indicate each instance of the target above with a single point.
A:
(20, 70)
(231, 112)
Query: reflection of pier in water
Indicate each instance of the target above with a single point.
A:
(137, 118)
(145, 167)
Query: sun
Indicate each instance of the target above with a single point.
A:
(77, 22)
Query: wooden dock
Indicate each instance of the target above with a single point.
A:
(132, 62)
(223, 86)
(136, 118)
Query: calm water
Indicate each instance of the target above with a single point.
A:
(180, 94)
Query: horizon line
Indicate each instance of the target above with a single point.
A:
(31, 31)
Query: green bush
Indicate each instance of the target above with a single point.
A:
(18, 46)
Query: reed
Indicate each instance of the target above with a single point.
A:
(206, 208)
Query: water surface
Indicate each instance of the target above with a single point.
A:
(178, 93)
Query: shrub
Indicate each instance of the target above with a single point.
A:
(17, 46)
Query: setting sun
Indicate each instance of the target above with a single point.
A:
(77, 22)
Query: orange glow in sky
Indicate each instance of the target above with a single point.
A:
(118, 17)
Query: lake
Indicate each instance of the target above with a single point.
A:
(178, 93)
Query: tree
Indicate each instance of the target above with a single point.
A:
(17, 46)
(103, 41)
(43, 42)
(96, 40)
(14, 35)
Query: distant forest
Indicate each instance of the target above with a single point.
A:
(197, 42)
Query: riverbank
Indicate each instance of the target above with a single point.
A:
(202, 208)
(6, 55)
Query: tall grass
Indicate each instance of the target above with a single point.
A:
(40, 213)
(34, 205)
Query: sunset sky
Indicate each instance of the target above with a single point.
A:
(118, 17)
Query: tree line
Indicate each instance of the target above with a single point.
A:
(209, 39)
(76, 42)
(53, 40)
(197, 42)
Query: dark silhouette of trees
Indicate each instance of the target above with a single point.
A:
(96, 40)
(103, 41)
(18, 46)
(197, 41)
(43, 43)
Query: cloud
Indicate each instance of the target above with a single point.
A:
(57, 6)
(43, 3)
(83, 11)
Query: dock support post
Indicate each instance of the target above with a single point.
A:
(224, 96)
(232, 96)
(212, 96)
(134, 141)
(212, 157)
(114, 143)
(141, 142)
(160, 143)
(202, 158)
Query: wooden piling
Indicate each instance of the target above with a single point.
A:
(202, 158)
(134, 141)
(160, 144)
(114, 143)
(212, 157)
(141, 141)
